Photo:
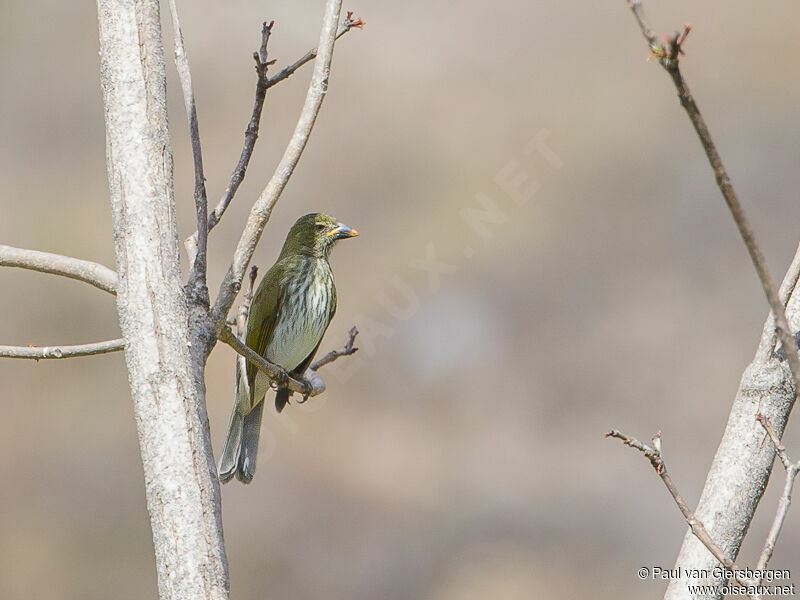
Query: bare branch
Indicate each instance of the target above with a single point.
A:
(348, 24)
(250, 137)
(638, 12)
(197, 275)
(273, 371)
(669, 57)
(786, 496)
(89, 272)
(780, 450)
(46, 352)
(83, 270)
(311, 385)
(334, 354)
(788, 285)
(790, 279)
(262, 209)
(263, 83)
(698, 529)
(251, 133)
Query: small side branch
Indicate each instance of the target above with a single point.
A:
(638, 12)
(792, 469)
(331, 356)
(349, 23)
(311, 385)
(197, 275)
(788, 285)
(653, 454)
(48, 352)
(251, 133)
(89, 272)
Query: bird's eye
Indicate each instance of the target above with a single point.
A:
(320, 226)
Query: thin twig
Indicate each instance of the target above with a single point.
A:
(46, 352)
(790, 279)
(197, 275)
(250, 134)
(638, 12)
(348, 24)
(262, 209)
(273, 371)
(89, 272)
(785, 501)
(347, 350)
(785, 292)
(310, 385)
(698, 529)
(669, 57)
(263, 83)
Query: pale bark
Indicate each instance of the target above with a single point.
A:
(72, 351)
(743, 463)
(165, 370)
(87, 271)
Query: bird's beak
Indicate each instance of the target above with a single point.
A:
(342, 232)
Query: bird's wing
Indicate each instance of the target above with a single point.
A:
(264, 312)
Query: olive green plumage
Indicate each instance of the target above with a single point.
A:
(291, 310)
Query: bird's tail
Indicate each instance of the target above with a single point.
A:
(230, 453)
(251, 428)
(241, 443)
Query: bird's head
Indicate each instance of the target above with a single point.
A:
(315, 234)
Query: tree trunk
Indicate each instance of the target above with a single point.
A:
(164, 371)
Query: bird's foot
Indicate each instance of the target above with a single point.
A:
(280, 379)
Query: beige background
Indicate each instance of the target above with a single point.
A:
(461, 455)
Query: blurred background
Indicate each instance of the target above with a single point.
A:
(460, 453)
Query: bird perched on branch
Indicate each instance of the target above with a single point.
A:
(291, 310)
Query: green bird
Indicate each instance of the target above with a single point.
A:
(291, 310)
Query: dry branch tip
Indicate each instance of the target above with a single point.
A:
(350, 22)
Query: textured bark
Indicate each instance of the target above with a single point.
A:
(164, 371)
(741, 468)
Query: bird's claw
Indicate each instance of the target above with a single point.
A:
(308, 388)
